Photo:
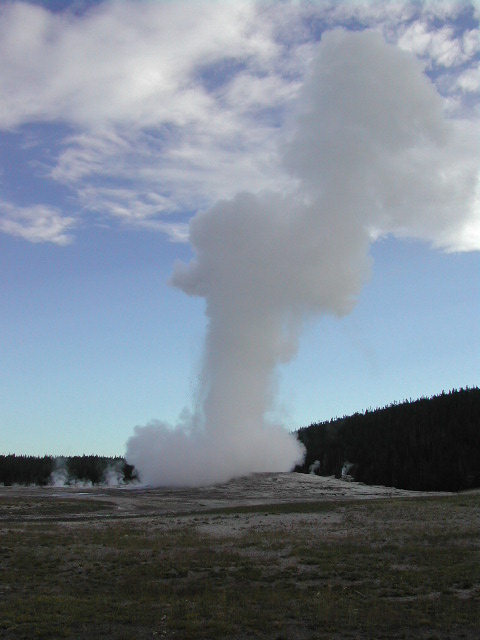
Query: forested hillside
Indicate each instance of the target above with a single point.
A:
(431, 444)
(49, 470)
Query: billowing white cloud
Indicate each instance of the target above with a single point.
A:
(374, 134)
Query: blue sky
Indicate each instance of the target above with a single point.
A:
(121, 120)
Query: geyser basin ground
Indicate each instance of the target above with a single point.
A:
(256, 489)
(269, 556)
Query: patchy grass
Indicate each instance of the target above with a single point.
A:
(384, 569)
(49, 507)
(280, 508)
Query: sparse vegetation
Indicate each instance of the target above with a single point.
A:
(398, 568)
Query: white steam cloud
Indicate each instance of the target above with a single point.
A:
(372, 153)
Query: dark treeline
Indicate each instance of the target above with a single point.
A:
(431, 444)
(49, 470)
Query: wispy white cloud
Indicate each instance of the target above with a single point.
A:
(90, 153)
(134, 209)
(38, 223)
(117, 64)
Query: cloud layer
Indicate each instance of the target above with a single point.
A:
(166, 110)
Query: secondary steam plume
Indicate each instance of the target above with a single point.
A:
(372, 154)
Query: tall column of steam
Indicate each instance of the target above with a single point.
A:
(372, 154)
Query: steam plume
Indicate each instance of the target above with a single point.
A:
(372, 153)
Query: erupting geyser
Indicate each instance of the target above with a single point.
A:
(372, 154)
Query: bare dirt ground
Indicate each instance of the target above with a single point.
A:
(188, 504)
(256, 489)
